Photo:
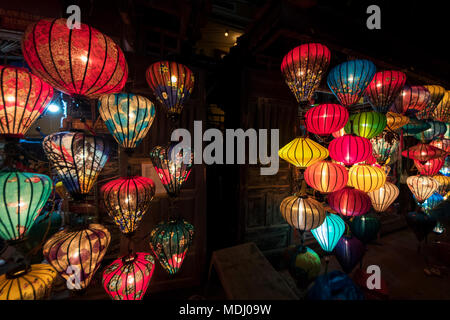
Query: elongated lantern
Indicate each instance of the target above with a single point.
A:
(422, 187)
(23, 98)
(79, 62)
(395, 121)
(383, 197)
(76, 254)
(302, 212)
(436, 129)
(442, 110)
(366, 178)
(27, 283)
(384, 88)
(412, 99)
(443, 144)
(77, 158)
(172, 84)
(348, 80)
(350, 149)
(127, 116)
(415, 126)
(329, 232)
(384, 146)
(127, 278)
(444, 184)
(429, 167)
(172, 166)
(436, 95)
(170, 242)
(325, 119)
(423, 152)
(303, 68)
(303, 152)
(349, 251)
(127, 200)
(366, 124)
(22, 198)
(349, 202)
(325, 176)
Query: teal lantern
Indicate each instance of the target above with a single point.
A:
(436, 129)
(329, 232)
(445, 170)
(365, 228)
(384, 146)
(431, 202)
(305, 266)
(23, 196)
(46, 224)
(415, 126)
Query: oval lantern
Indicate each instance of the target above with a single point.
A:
(79, 62)
(348, 80)
(329, 232)
(436, 129)
(303, 152)
(366, 124)
(430, 167)
(305, 266)
(350, 149)
(384, 88)
(302, 212)
(127, 199)
(77, 158)
(170, 242)
(422, 187)
(24, 97)
(423, 152)
(383, 197)
(384, 146)
(127, 116)
(127, 278)
(303, 67)
(22, 198)
(444, 184)
(366, 178)
(349, 251)
(27, 283)
(436, 95)
(442, 110)
(443, 144)
(365, 228)
(415, 126)
(325, 176)
(76, 253)
(173, 170)
(349, 202)
(395, 121)
(325, 119)
(432, 202)
(411, 100)
(172, 84)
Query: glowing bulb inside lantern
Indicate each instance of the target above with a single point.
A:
(350, 79)
(10, 98)
(84, 58)
(173, 79)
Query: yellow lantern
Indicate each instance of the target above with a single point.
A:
(422, 187)
(303, 152)
(396, 120)
(442, 110)
(366, 177)
(302, 212)
(444, 184)
(383, 197)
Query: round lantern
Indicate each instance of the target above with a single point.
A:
(348, 80)
(384, 88)
(23, 196)
(127, 116)
(172, 84)
(325, 176)
(349, 252)
(24, 98)
(432, 202)
(325, 119)
(366, 178)
(442, 110)
(301, 212)
(365, 228)
(384, 146)
(443, 144)
(436, 95)
(444, 184)
(170, 242)
(303, 152)
(329, 232)
(422, 187)
(411, 99)
(350, 149)
(349, 202)
(415, 126)
(81, 61)
(127, 278)
(77, 253)
(127, 200)
(77, 158)
(430, 167)
(436, 129)
(366, 124)
(383, 197)
(172, 166)
(305, 266)
(423, 152)
(32, 282)
(303, 67)
(395, 121)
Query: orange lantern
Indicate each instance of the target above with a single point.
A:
(325, 176)
(396, 120)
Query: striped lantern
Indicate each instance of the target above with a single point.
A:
(444, 184)
(415, 126)
(366, 178)
(442, 110)
(411, 99)
(302, 212)
(384, 88)
(436, 95)
(395, 121)
(349, 202)
(429, 167)
(325, 119)
(329, 232)
(383, 197)
(350, 149)
(422, 187)
(326, 177)
(423, 152)
(366, 124)
(384, 146)
(365, 228)
(436, 129)
(303, 152)
(443, 144)
(349, 251)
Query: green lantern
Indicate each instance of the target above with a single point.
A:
(23, 196)
(366, 124)
(305, 266)
(47, 223)
(365, 228)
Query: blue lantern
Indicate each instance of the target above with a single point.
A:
(445, 170)
(329, 232)
(436, 129)
(431, 203)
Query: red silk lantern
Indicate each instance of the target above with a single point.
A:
(350, 149)
(423, 152)
(349, 202)
(325, 176)
(411, 100)
(384, 88)
(430, 167)
(127, 278)
(81, 61)
(325, 119)
(443, 144)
